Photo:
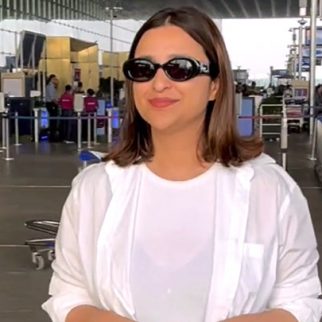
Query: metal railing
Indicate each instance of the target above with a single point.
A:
(91, 135)
(92, 118)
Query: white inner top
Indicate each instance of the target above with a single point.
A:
(173, 245)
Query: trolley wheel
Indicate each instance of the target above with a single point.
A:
(39, 261)
(51, 255)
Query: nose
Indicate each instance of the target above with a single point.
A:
(160, 81)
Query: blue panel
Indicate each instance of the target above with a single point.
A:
(44, 121)
(115, 118)
(246, 126)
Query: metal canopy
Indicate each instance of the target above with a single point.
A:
(141, 9)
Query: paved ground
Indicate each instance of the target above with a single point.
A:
(35, 185)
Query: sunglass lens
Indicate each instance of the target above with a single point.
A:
(139, 70)
(180, 69)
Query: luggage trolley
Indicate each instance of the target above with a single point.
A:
(42, 249)
(295, 117)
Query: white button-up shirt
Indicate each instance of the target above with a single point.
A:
(265, 254)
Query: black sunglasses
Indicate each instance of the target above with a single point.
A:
(177, 69)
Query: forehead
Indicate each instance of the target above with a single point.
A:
(166, 41)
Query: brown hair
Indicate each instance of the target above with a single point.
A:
(220, 140)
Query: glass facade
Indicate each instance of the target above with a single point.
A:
(52, 9)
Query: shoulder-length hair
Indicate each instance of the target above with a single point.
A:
(219, 141)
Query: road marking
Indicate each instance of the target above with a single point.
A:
(13, 246)
(33, 187)
(311, 188)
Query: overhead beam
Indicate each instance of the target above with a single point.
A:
(288, 8)
(243, 9)
(273, 8)
(210, 7)
(258, 9)
(225, 5)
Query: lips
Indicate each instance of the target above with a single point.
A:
(162, 102)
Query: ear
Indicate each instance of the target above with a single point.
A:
(213, 90)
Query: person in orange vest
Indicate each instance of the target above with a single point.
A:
(90, 107)
(66, 104)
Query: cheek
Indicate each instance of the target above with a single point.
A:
(197, 92)
(139, 90)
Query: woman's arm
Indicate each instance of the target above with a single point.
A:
(68, 289)
(295, 297)
(86, 313)
(268, 316)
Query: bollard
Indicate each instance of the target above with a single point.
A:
(284, 139)
(36, 125)
(95, 129)
(260, 121)
(89, 130)
(17, 129)
(7, 158)
(3, 132)
(312, 157)
(109, 126)
(79, 131)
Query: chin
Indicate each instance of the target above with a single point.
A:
(165, 128)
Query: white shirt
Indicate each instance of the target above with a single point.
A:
(264, 248)
(51, 92)
(173, 245)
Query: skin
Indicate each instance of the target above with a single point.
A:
(176, 128)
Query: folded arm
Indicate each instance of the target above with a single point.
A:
(295, 297)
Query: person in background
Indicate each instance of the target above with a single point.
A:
(288, 92)
(253, 90)
(185, 220)
(239, 87)
(90, 107)
(318, 99)
(79, 88)
(90, 102)
(52, 107)
(66, 103)
(245, 90)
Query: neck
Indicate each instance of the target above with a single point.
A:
(176, 155)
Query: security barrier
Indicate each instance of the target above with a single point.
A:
(318, 151)
(281, 120)
(91, 135)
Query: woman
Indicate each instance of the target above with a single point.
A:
(185, 221)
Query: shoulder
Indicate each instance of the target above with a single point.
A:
(262, 176)
(93, 189)
(103, 175)
(90, 175)
(269, 180)
(267, 171)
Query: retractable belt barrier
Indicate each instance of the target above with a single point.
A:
(6, 136)
(284, 116)
(92, 120)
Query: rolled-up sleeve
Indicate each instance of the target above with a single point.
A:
(67, 288)
(298, 286)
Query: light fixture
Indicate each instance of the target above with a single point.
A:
(302, 8)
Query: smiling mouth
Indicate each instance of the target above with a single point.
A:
(162, 102)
